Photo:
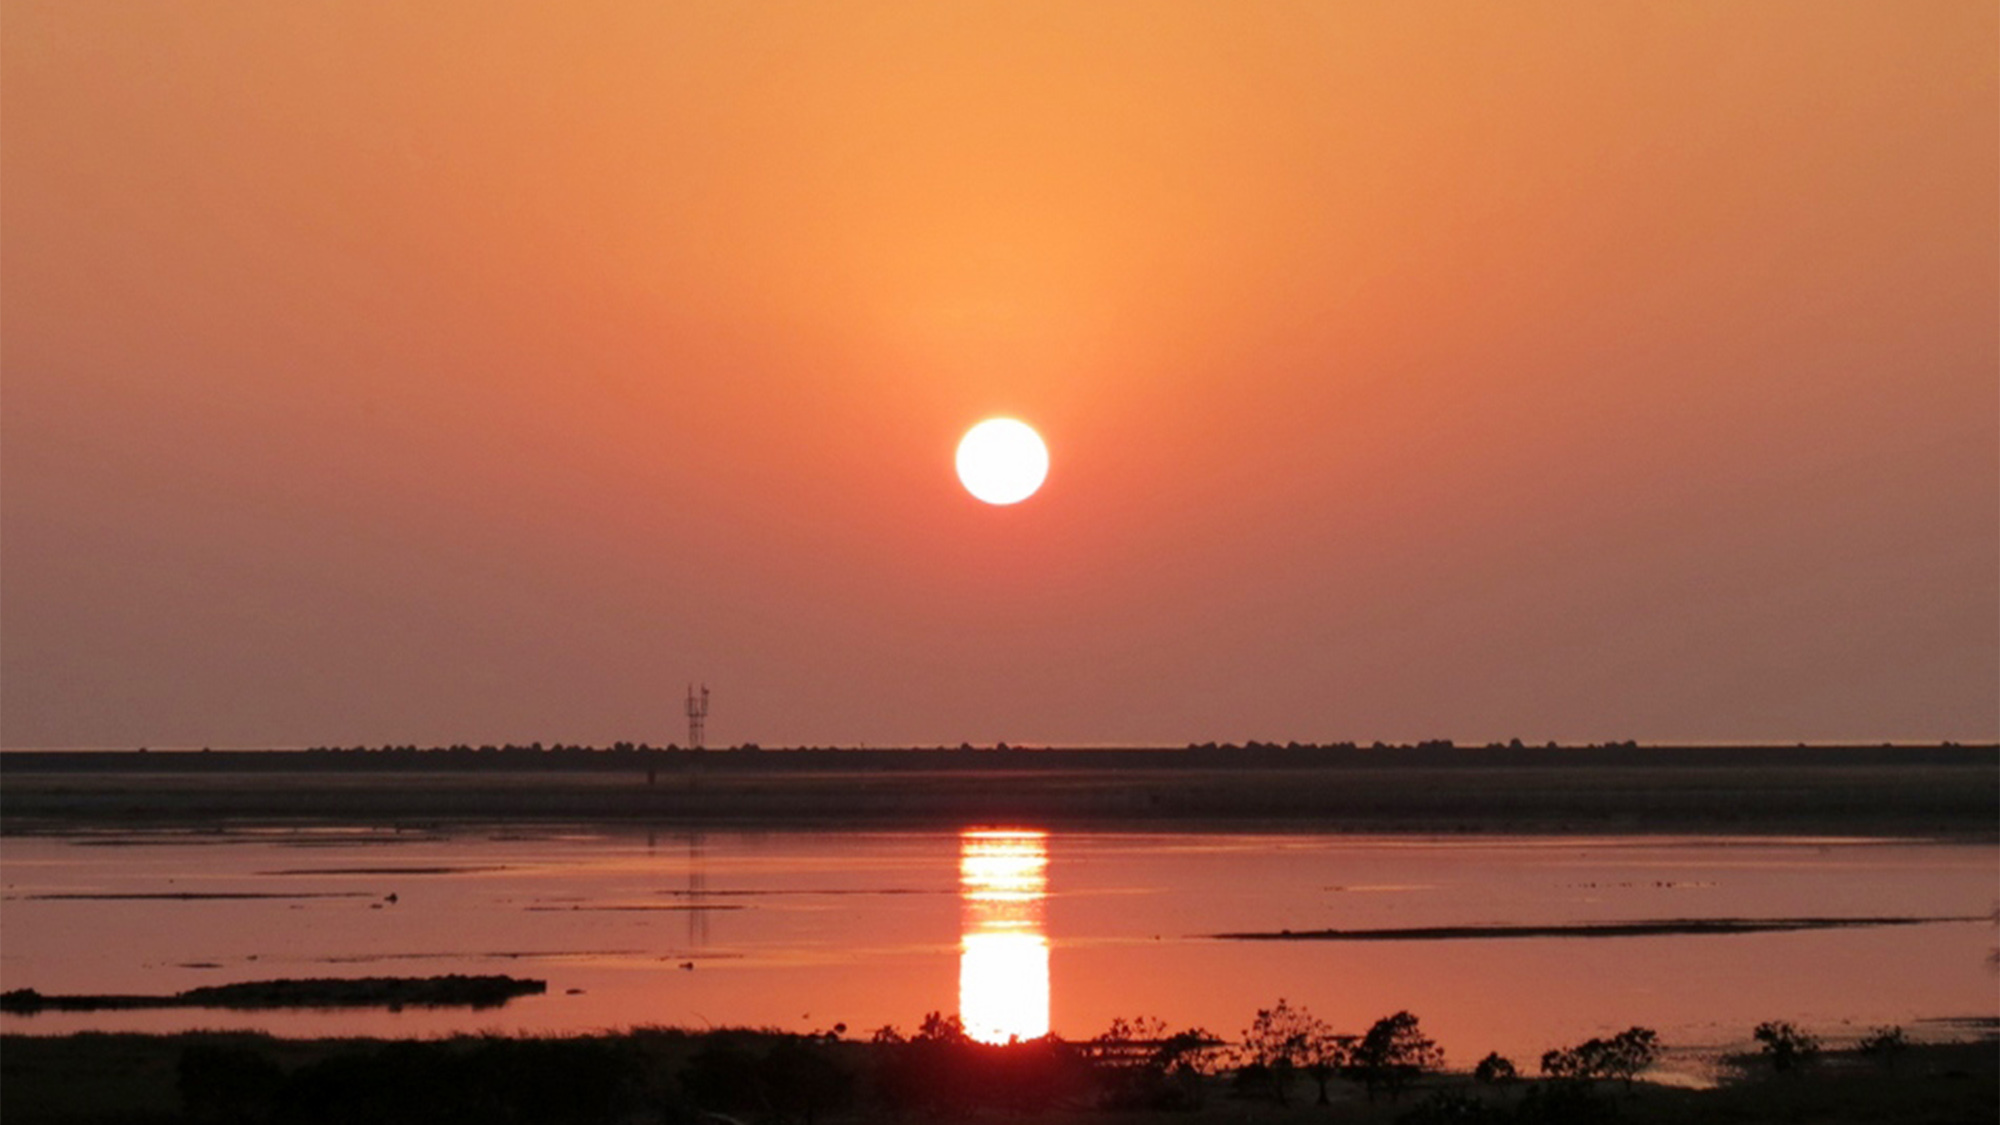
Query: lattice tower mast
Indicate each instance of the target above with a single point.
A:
(697, 715)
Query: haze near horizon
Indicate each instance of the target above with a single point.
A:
(484, 373)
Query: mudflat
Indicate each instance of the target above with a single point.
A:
(453, 991)
(1943, 792)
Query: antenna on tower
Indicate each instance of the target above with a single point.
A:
(697, 713)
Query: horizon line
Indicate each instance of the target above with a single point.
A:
(988, 747)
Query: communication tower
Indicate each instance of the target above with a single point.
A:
(697, 713)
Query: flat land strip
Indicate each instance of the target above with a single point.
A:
(1686, 927)
(335, 992)
(1949, 792)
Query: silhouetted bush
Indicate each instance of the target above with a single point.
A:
(1885, 1045)
(1786, 1046)
(1495, 1068)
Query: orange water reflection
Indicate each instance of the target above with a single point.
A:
(1003, 966)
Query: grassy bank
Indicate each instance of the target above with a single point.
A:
(673, 1076)
(1942, 792)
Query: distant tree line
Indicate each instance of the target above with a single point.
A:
(936, 1073)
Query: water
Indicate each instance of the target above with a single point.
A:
(1019, 932)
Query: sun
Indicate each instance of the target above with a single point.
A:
(1002, 461)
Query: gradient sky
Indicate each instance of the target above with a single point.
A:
(475, 371)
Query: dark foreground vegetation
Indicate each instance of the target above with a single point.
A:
(453, 991)
(1288, 1067)
(1943, 791)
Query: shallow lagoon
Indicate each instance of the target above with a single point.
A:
(1014, 929)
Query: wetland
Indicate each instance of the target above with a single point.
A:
(1855, 903)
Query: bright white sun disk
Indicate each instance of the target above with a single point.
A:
(1002, 461)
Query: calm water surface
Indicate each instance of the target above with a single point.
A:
(1020, 932)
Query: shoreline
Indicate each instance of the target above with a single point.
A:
(1936, 793)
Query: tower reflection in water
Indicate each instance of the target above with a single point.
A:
(1003, 966)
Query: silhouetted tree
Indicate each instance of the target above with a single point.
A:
(1284, 1040)
(1631, 1051)
(1393, 1053)
(1622, 1056)
(1140, 1065)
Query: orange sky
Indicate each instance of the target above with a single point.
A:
(483, 372)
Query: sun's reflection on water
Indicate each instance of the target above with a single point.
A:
(1003, 967)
